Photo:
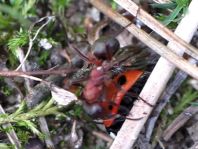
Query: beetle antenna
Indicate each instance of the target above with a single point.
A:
(140, 98)
(123, 28)
(85, 58)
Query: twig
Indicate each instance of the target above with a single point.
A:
(160, 143)
(76, 139)
(148, 40)
(103, 136)
(179, 122)
(20, 55)
(155, 84)
(45, 130)
(34, 73)
(41, 90)
(159, 28)
(31, 40)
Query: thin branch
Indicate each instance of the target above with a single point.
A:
(20, 56)
(34, 73)
(103, 136)
(179, 122)
(148, 40)
(44, 128)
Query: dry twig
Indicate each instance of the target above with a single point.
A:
(33, 73)
(179, 122)
(103, 136)
(45, 130)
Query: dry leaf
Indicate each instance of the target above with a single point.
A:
(62, 97)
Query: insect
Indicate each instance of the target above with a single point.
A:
(110, 78)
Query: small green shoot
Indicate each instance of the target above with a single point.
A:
(186, 100)
(31, 126)
(23, 114)
(79, 29)
(14, 14)
(180, 8)
(6, 146)
(78, 110)
(7, 91)
(23, 119)
(58, 6)
(18, 40)
(4, 88)
(113, 5)
(23, 134)
(43, 57)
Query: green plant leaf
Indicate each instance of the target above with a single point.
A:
(194, 103)
(186, 100)
(182, 3)
(18, 40)
(28, 124)
(172, 16)
(27, 6)
(22, 107)
(43, 57)
(6, 146)
(15, 15)
(49, 104)
(164, 6)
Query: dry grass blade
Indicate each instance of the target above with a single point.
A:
(61, 96)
